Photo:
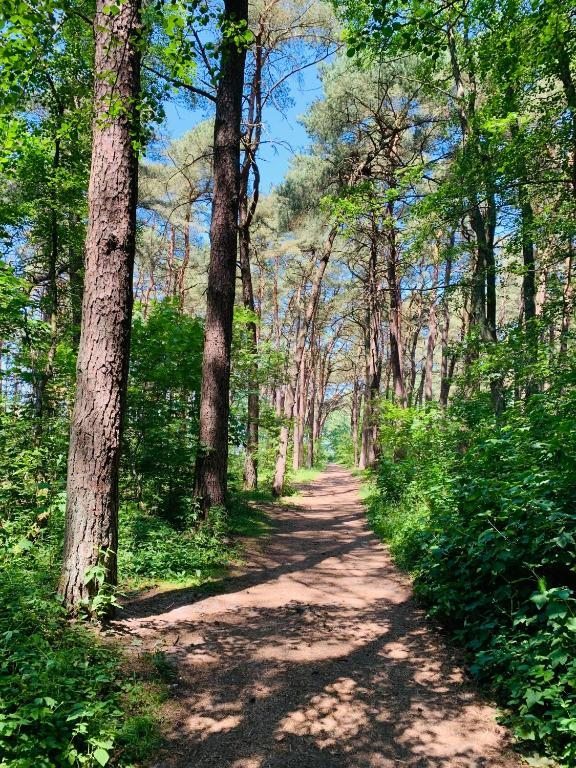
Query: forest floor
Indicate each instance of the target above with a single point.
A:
(313, 655)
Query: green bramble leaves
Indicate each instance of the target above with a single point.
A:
(482, 515)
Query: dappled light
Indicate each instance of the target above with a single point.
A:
(315, 655)
(287, 383)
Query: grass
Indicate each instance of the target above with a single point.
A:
(246, 518)
(301, 476)
(306, 475)
(157, 553)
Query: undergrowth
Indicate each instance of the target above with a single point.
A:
(481, 511)
(67, 698)
(153, 549)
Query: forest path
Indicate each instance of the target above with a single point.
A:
(315, 656)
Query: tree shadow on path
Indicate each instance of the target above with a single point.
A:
(316, 657)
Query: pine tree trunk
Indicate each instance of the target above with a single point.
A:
(180, 289)
(300, 405)
(289, 401)
(92, 494)
(212, 459)
(253, 415)
(396, 346)
(431, 345)
(251, 140)
(311, 448)
(445, 381)
(354, 410)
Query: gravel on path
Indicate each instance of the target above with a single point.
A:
(315, 656)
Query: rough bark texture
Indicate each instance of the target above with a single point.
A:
(94, 454)
(396, 345)
(373, 360)
(253, 416)
(251, 140)
(354, 418)
(212, 461)
(299, 409)
(431, 344)
(445, 379)
(252, 422)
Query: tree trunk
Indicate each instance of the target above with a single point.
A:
(413, 367)
(432, 331)
(529, 276)
(445, 379)
(375, 356)
(171, 279)
(311, 448)
(420, 393)
(354, 411)
(180, 289)
(212, 459)
(300, 406)
(396, 347)
(253, 415)
(289, 401)
(566, 303)
(247, 211)
(91, 536)
(569, 87)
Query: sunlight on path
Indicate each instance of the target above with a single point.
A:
(315, 656)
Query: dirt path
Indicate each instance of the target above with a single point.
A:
(316, 657)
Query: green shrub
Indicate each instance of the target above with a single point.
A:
(160, 439)
(61, 692)
(152, 548)
(481, 510)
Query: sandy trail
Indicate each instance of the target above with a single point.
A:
(316, 656)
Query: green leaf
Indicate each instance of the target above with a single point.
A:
(539, 599)
(101, 756)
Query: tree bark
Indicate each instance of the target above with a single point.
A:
(92, 493)
(180, 288)
(432, 331)
(354, 411)
(253, 416)
(311, 415)
(396, 346)
(247, 211)
(299, 411)
(567, 295)
(289, 401)
(445, 378)
(212, 459)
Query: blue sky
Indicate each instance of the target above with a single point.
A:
(283, 135)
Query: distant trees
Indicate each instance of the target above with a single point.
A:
(174, 200)
(288, 38)
(429, 225)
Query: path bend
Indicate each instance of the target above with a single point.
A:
(316, 656)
